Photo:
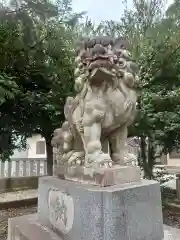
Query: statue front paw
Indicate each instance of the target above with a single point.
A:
(98, 115)
(77, 158)
(99, 159)
(104, 160)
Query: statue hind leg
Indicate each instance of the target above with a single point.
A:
(78, 155)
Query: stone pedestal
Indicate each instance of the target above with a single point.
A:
(32, 229)
(73, 211)
(28, 227)
(99, 176)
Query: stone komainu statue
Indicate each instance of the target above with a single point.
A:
(105, 104)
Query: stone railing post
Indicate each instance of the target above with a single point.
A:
(178, 186)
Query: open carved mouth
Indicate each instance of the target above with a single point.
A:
(99, 61)
(100, 68)
(99, 75)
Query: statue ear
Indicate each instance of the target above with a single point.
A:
(134, 67)
(121, 42)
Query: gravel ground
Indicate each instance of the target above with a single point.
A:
(10, 213)
(171, 219)
(18, 195)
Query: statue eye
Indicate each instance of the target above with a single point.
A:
(80, 65)
(115, 58)
(119, 53)
(122, 63)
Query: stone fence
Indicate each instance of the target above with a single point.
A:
(23, 167)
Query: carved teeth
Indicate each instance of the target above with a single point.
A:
(80, 65)
(78, 59)
(111, 59)
(102, 73)
(113, 71)
(110, 164)
(100, 63)
(115, 58)
(76, 72)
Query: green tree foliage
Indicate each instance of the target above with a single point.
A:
(154, 37)
(35, 70)
(159, 117)
(37, 47)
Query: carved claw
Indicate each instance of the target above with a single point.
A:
(81, 129)
(103, 158)
(76, 158)
(98, 115)
(80, 126)
(99, 160)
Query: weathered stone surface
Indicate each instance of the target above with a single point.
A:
(115, 204)
(99, 176)
(127, 211)
(106, 80)
(28, 228)
(171, 233)
(62, 216)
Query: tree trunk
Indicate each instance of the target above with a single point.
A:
(147, 157)
(49, 151)
(151, 158)
(143, 158)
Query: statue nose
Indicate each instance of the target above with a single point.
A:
(98, 49)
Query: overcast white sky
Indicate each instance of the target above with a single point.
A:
(99, 10)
